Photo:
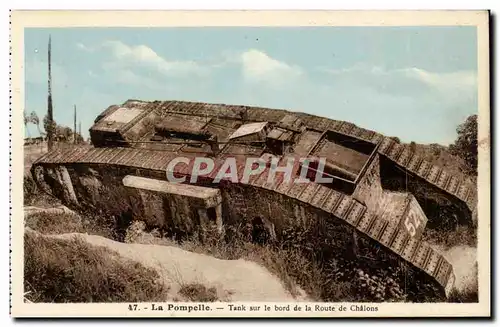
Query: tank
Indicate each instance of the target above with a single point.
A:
(126, 173)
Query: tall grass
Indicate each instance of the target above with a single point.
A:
(198, 292)
(300, 269)
(33, 196)
(459, 236)
(74, 271)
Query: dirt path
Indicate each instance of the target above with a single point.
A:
(235, 280)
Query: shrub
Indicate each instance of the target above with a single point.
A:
(465, 296)
(466, 144)
(461, 235)
(197, 292)
(296, 264)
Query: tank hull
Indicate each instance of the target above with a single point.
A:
(382, 197)
(132, 184)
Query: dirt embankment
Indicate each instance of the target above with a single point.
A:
(232, 280)
(236, 280)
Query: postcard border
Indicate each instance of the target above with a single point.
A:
(27, 19)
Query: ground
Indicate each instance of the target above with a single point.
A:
(31, 153)
(189, 271)
(179, 271)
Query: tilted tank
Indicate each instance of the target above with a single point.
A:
(125, 173)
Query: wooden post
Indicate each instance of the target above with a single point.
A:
(50, 114)
(74, 125)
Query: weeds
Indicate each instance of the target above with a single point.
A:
(197, 292)
(298, 267)
(33, 196)
(460, 236)
(465, 296)
(50, 223)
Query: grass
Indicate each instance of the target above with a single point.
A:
(465, 296)
(33, 196)
(104, 225)
(61, 223)
(198, 292)
(74, 271)
(460, 236)
(289, 265)
(300, 270)
(50, 223)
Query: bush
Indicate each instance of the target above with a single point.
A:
(32, 195)
(465, 296)
(289, 265)
(50, 223)
(57, 270)
(197, 292)
(466, 144)
(461, 235)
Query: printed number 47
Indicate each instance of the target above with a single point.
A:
(412, 223)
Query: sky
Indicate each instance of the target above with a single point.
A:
(416, 83)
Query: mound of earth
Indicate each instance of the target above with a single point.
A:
(234, 280)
